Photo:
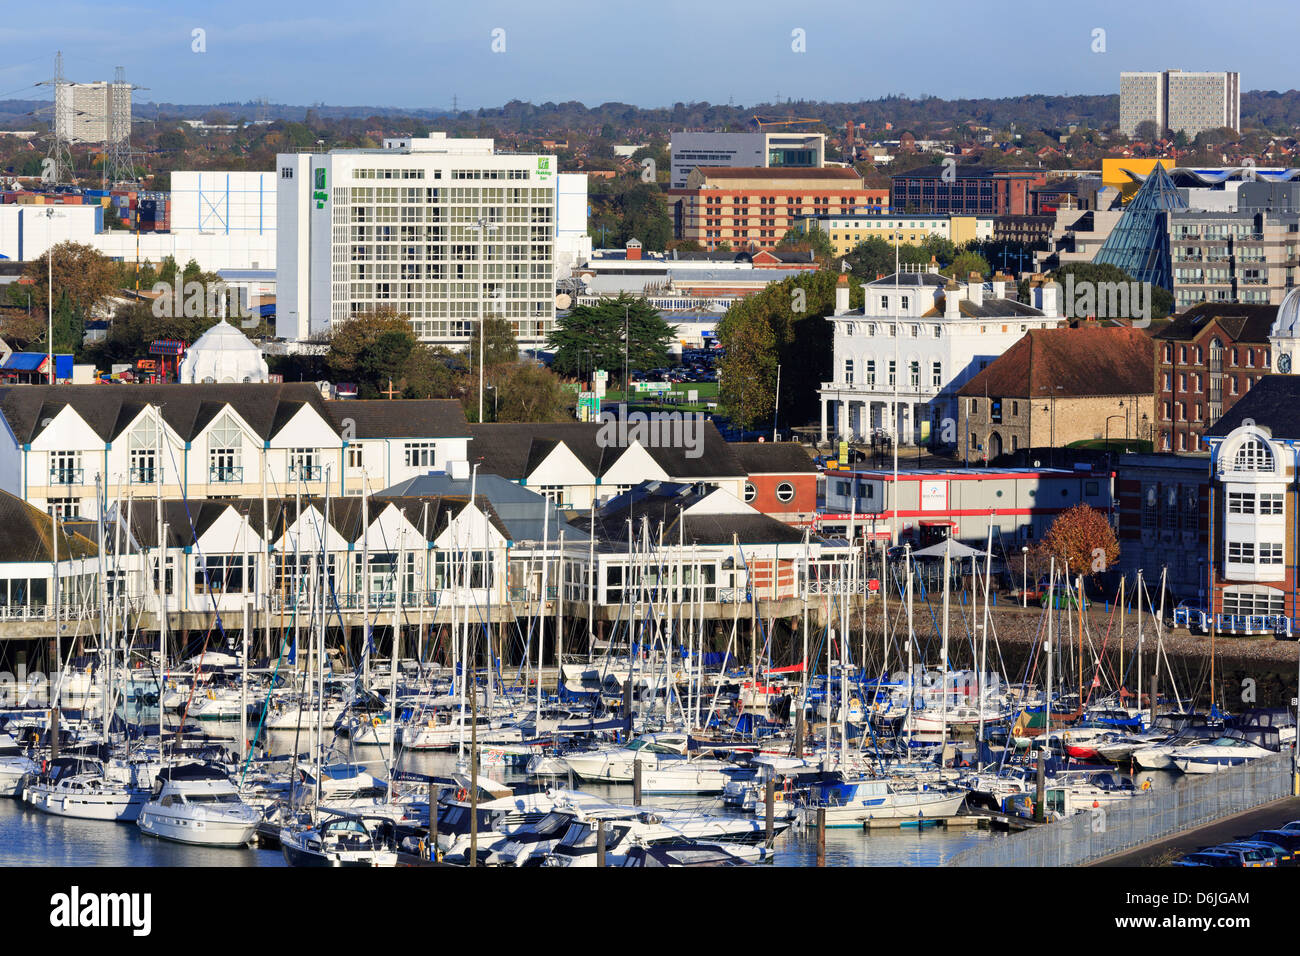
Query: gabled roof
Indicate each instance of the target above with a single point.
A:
(187, 521)
(665, 508)
(1066, 363)
(188, 409)
(26, 535)
(1239, 322)
(514, 450)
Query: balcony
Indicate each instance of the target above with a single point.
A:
(301, 472)
(67, 476)
(145, 475)
(222, 474)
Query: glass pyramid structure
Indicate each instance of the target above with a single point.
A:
(1139, 243)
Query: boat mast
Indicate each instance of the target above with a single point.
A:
(911, 692)
(1141, 592)
(1047, 647)
(984, 638)
(943, 705)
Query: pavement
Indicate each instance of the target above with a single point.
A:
(1270, 816)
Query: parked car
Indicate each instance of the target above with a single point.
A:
(1271, 851)
(1288, 840)
(1207, 858)
(1246, 856)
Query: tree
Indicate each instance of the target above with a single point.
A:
(965, 263)
(500, 347)
(784, 324)
(82, 275)
(1146, 132)
(370, 349)
(1083, 540)
(530, 393)
(432, 372)
(817, 240)
(592, 337)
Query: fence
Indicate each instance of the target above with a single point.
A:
(1145, 817)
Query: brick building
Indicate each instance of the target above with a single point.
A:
(1205, 360)
(782, 480)
(754, 207)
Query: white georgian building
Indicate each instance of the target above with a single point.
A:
(213, 441)
(931, 335)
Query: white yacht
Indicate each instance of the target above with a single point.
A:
(81, 787)
(1213, 756)
(853, 802)
(196, 803)
(341, 841)
(616, 764)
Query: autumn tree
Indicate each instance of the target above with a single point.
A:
(525, 392)
(500, 347)
(83, 278)
(1083, 540)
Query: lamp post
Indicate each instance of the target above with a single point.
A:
(493, 389)
(49, 259)
(1024, 575)
(482, 227)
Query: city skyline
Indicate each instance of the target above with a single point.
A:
(497, 53)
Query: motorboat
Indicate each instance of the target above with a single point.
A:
(197, 803)
(343, 840)
(617, 764)
(1231, 750)
(851, 803)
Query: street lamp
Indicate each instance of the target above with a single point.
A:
(481, 226)
(1024, 575)
(494, 401)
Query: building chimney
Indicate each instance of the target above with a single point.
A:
(952, 300)
(1000, 285)
(842, 295)
(1045, 299)
(975, 289)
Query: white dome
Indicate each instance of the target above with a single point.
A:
(1287, 323)
(223, 354)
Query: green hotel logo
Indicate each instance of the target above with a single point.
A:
(544, 167)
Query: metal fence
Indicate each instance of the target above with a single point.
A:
(1142, 819)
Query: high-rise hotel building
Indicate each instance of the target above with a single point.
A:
(443, 230)
(1176, 100)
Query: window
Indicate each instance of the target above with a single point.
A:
(356, 457)
(1241, 552)
(222, 573)
(225, 447)
(892, 372)
(1255, 601)
(871, 371)
(169, 575)
(1253, 455)
(914, 372)
(936, 375)
(420, 454)
(65, 468)
(1241, 503)
(63, 508)
(1270, 504)
(750, 492)
(143, 465)
(304, 464)
(848, 371)
(1270, 553)
(785, 492)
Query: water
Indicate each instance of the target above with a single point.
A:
(31, 838)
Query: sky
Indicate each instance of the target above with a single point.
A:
(422, 53)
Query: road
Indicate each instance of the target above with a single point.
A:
(1268, 817)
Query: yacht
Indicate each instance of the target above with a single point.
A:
(850, 803)
(1231, 750)
(81, 787)
(196, 803)
(616, 764)
(347, 840)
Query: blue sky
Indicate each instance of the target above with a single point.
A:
(418, 53)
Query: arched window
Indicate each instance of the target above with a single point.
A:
(1253, 455)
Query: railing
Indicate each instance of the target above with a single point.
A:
(224, 473)
(379, 600)
(144, 475)
(305, 472)
(67, 476)
(1142, 819)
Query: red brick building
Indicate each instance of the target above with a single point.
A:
(754, 207)
(782, 480)
(1205, 360)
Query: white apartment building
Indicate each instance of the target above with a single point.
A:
(444, 230)
(1174, 100)
(929, 336)
(58, 442)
